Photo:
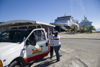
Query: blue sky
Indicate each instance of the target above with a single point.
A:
(48, 10)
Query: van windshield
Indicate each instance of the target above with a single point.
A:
(13, 36)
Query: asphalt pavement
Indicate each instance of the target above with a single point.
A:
(74, 52)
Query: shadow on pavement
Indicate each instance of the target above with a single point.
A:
(44, 62)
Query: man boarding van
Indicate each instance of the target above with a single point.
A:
(20, 46)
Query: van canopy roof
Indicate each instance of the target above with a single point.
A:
(24, 24)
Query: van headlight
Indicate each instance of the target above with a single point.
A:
(1, 65)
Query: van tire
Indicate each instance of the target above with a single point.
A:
(16, 64)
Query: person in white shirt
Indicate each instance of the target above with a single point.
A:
(57, 45)
(51, 44)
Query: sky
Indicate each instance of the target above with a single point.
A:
(48, 10)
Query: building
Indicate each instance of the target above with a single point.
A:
(85, 23)
(66, 20)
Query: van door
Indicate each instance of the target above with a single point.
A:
(37, 44)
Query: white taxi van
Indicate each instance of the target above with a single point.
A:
(23, 41)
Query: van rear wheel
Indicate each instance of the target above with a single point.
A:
(16, 64)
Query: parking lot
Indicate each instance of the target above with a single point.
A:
(75, 52)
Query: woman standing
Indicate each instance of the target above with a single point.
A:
(57, 45)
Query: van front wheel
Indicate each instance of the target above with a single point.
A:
(16, 64)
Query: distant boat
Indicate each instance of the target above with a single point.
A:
(97, 30)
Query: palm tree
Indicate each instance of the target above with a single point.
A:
(83, 29)
(91, 28)
(74, 28)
